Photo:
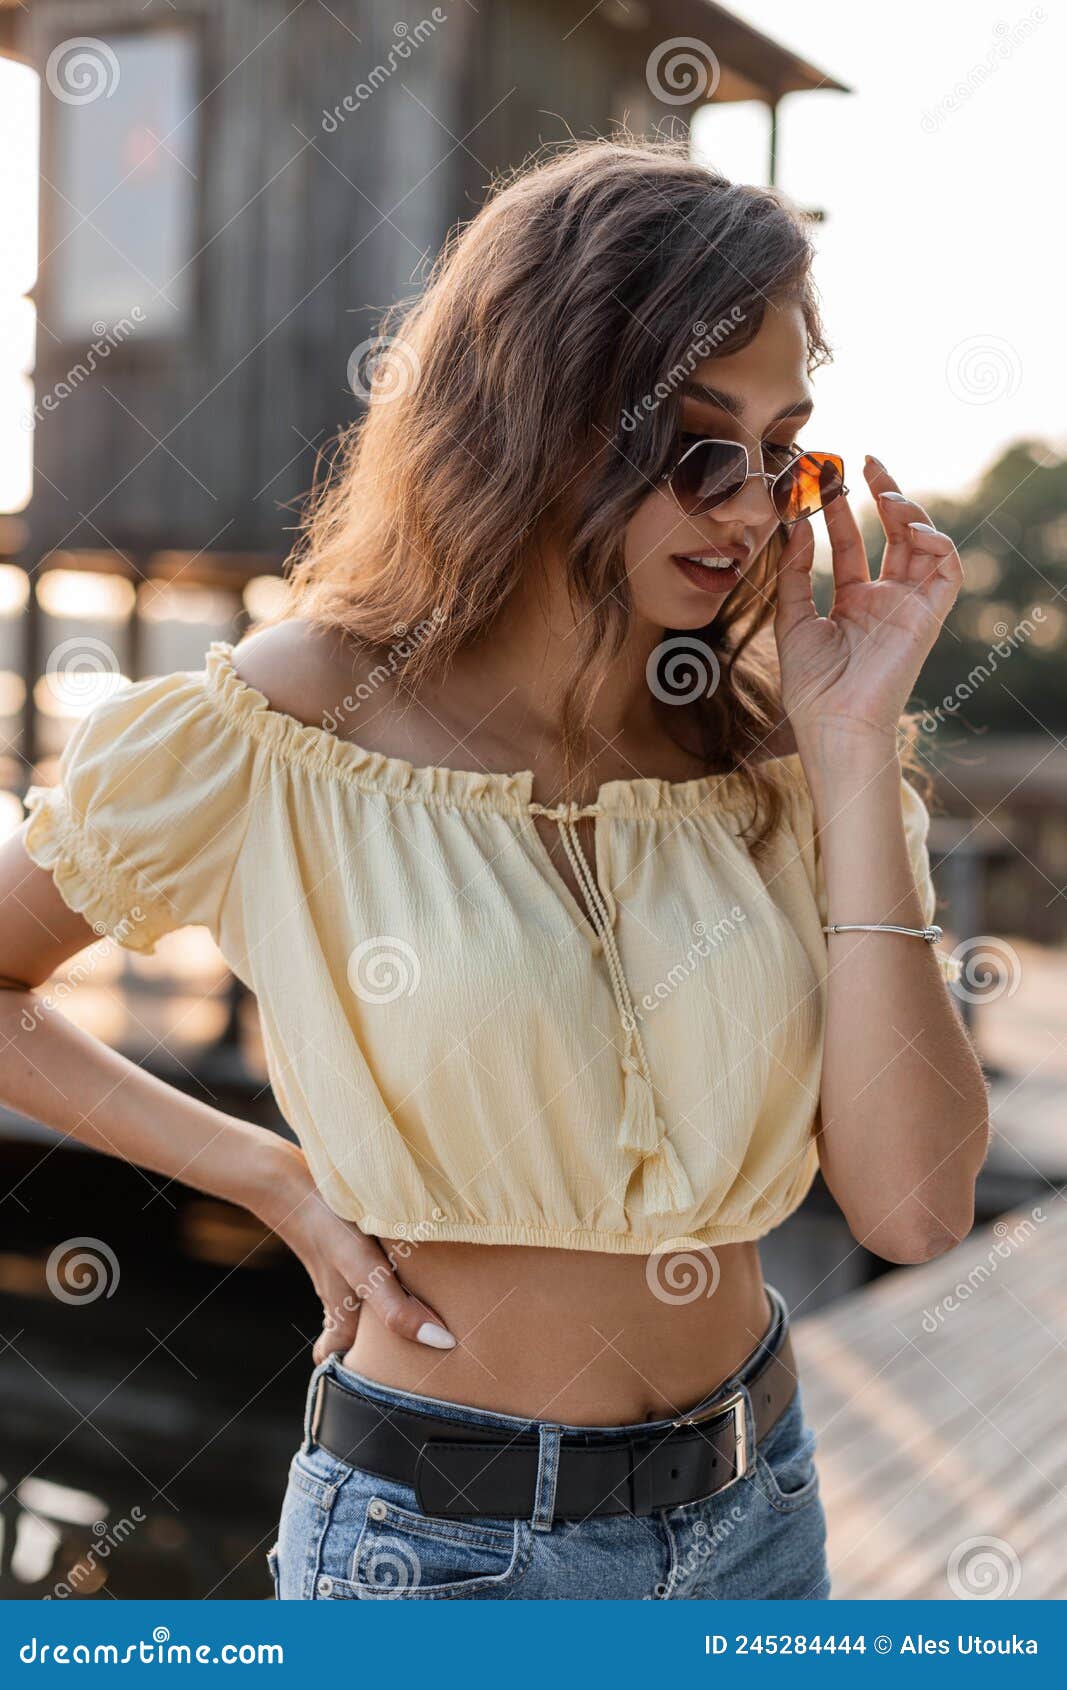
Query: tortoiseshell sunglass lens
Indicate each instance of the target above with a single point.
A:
(808, 485)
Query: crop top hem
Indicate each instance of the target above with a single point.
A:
(560, 1238)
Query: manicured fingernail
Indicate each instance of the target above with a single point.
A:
(877, 462)
(893, 496)
(436, 1336)
(923, 527)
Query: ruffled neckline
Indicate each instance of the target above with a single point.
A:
(251, 710)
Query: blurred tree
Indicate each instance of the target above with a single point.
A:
(998, 666)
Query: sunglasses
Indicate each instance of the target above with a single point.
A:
(708, 472)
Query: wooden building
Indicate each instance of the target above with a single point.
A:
(254, 182)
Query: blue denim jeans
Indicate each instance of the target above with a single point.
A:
(348, 1535)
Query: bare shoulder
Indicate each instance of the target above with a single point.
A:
(301, 669)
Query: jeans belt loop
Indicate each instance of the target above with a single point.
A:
(544, 1509)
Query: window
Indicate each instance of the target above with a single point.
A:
(122, 224)
(18, 269)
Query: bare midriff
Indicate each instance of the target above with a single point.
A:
(579, 1337)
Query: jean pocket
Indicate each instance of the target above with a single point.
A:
(413, 1556)
(785, 1471)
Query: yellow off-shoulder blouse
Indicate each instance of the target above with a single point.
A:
(462, 1052)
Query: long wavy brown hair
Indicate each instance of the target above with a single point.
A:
(531, 389)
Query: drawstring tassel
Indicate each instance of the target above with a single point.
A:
(640, 1127)
(665, 1185)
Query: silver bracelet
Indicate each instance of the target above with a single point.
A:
(930, 934)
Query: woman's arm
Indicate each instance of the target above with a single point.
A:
(903, 1102)
(52, 1072)
(903, 1105)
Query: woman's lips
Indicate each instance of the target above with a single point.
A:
(717, 575)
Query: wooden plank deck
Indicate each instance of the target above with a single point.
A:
(939, 1398)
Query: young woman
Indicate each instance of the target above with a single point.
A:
(526, 824)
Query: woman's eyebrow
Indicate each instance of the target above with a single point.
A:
(734, 407)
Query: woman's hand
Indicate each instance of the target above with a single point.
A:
(346, 1267)
(847, 676)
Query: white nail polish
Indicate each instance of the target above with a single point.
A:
(436, 1336)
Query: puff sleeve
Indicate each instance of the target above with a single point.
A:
(916, 818)
(143, 829)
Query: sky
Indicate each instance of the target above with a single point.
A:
(939, 265)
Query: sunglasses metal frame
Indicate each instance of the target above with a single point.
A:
(752, 474)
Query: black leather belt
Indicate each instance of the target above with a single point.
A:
(459, 1469)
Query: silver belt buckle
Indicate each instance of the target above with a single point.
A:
(734, 1405)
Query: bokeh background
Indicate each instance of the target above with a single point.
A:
(205, 207)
